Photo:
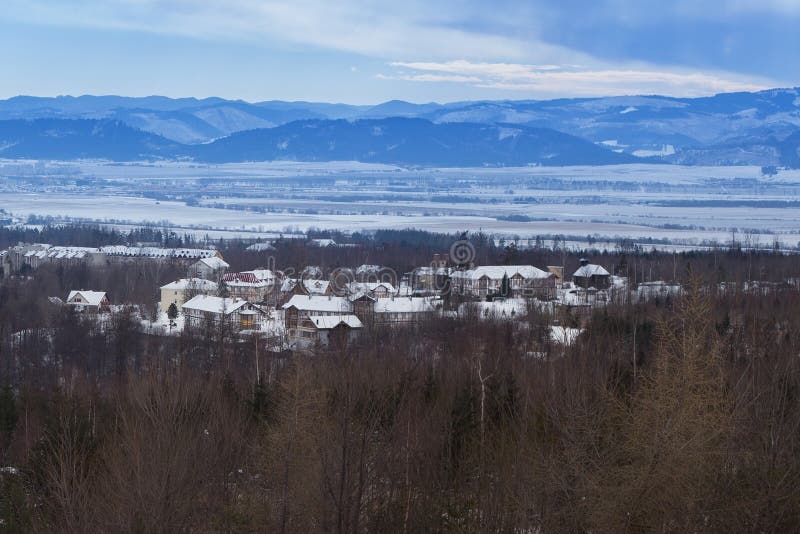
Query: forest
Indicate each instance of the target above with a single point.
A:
(673, 414)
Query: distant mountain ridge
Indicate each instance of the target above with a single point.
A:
(759, 128)
(408, 141)
(402, 141)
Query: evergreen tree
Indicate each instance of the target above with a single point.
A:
(172, 312)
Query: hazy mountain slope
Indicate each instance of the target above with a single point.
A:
(409, 142)
(734, 128)
(75, 139)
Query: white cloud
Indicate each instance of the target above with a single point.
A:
(552, 80)
(413, 28)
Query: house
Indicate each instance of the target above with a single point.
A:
(238, 314)
(34, 256)
(403, 310)
(376, 290)
(430, 280)
(211, 268)
(83, 300)
(523, 280)
(252, 285)
(305, 287)
(591, 275)
(300, 307)
(335, 331)
(180, 291)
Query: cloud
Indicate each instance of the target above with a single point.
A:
(377, 29)
(455, 78)
(550, 79)
(569, 47)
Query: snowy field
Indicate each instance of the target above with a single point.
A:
(689, 205)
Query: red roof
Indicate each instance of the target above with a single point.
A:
(240, 277)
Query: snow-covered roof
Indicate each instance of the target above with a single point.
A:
(359, 295)
(318, 303)
(316, 287)
(288, 284)
(155, 252)
(259, 247)
(327, 322)
(496, 272)
(191, 283)
(208, 303)
(590, 269)
(404, 305)
(262, 274)
(361, 287)
(92, 298)
(215, 262)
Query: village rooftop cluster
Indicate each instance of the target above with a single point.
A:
(313, 308)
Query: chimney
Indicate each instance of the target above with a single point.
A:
(584, 262)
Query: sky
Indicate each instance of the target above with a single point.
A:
(366, 52)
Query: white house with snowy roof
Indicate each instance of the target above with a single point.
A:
(300, 307)
(326, 330)
(252, 285)
(83, 300)
(524, 280)
(376, 290)
(180, 291)
(404, 310)
(207, 310)
(211, 268)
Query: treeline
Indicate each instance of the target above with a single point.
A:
(678, 414)
(87, 235)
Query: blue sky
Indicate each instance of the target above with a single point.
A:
(357, 51)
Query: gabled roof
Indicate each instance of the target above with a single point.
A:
(191, 283)
(328, 322)
(361, 287)
(591, 269)
(208, 303)
(360, 295)
(318, 303)
(92, 298)
(215, 262)
(316, 287)
(496, 272)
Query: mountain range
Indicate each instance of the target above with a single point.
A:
(760, 128)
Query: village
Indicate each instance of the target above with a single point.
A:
(315, 308)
